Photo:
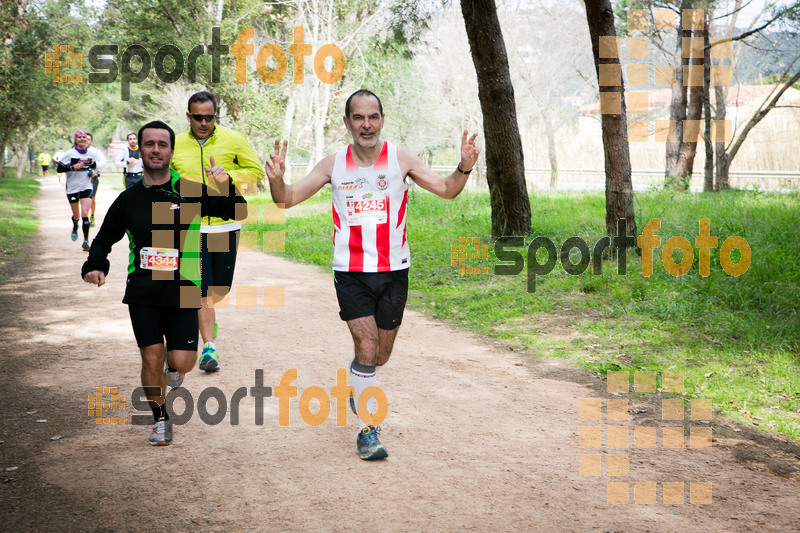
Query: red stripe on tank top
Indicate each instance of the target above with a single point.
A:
(383, 159)
(335, 215)
(356, 250)
(382, 241)
(402, 213)
(350, 163)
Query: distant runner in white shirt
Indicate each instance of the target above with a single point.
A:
(79, 163)
(130, 161)
(371, 255)
(56, 158)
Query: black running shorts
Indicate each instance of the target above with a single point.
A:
(152, 324)
(217, 261)
(379, 294)
(75, 196)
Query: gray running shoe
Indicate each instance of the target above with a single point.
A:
(162, 433)
(173, 377)
(368, 445)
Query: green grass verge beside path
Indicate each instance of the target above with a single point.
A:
(737, 339)
(18, 225)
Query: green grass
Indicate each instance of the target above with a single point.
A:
(18, 224)
(112, 179)
(736, 338)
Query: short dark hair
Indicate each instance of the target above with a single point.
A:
(157, 125)
(90, 135)
(361, 92)
(202, 96)
(128, 135)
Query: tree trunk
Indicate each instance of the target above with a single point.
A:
(317, 127)
(723, 167)
(758, 116)
(550, 133)
(505, 166)
(708, 174)
(21, 151)
(3, 145)
(688, 149)
(322, 91)
(677, 106)
(722, 161)
(288, 120)
(619, 190)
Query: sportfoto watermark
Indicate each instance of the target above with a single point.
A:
(169, 63)
(284, 392)
(647, 241)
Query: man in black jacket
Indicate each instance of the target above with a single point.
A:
(161, 215)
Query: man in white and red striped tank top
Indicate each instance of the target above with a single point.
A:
(369, 213)
(370, 180)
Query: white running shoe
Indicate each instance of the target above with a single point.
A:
(173, 377)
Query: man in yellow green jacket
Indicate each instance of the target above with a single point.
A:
(205, 147)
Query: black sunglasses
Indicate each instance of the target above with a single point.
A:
(201, 118)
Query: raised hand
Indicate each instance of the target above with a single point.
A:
(275, 165)
(469, 151)
(216, 173)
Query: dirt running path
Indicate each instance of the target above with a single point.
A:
(480, 438)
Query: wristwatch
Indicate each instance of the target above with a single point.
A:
(465, 172)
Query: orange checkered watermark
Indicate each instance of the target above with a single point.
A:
(638, 75)
(103, 399)
(164, 244)
(61, 57)
(469, 248)
(610, 418)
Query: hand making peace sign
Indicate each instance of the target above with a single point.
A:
(275, 165)
(469, 151)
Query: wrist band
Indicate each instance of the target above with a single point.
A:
(465, 172)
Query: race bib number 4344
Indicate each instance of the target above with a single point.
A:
(158, 258)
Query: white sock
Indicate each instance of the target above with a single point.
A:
(361, 377)
(210, 344)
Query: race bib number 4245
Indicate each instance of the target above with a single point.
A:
(158, 258)
(366, 209)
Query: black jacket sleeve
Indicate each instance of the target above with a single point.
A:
(111, 231)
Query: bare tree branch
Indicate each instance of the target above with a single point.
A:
(763, 110)
(735, 11)
(753, 31)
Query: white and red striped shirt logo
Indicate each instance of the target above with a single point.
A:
(369, 214)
